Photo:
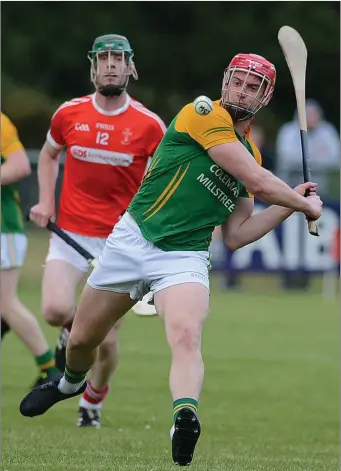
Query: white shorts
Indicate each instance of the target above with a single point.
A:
(13, 250)
(131, 264)
(60, 250)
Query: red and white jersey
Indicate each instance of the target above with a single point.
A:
(107, 154)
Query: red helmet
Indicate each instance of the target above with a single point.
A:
(252, 64)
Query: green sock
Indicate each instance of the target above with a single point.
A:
(184, 402)
(46, 362)
(74, 377)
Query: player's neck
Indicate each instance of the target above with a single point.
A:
(242, 126)
(111, 103)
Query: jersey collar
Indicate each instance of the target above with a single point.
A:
(114, 112)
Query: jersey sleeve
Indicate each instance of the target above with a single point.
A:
(258, 158)
(55, 132)
(155, 135)
(208, 130)
(10, 141)
(256, 152)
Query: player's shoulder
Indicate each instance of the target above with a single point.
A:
(189, 112)
(188, 118)
(5, 121)
(146, 115)
(73, 104)
(7, 127)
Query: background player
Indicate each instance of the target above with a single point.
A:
(109, 139)
(200, 177)
(14, 167)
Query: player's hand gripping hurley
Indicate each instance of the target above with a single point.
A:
(295, 53)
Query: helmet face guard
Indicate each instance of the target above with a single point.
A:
(249, 64)
(119, 63)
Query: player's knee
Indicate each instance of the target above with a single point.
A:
(7, 305)
(108, 351)
(76, 341)
(185, 335)
(80, 341)
(55, 314)
(108, 347)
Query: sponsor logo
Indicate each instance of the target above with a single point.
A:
(105, 127)
(232, 188)
(100, 156)
(82, 127)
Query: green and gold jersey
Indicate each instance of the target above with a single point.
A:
(11, 216)
(185, 194)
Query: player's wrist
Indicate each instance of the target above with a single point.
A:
(303, 205)
(47, 202)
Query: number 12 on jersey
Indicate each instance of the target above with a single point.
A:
(102, 138)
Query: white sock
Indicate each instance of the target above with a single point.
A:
(88, 405)
(69, 388)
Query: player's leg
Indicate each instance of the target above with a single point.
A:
(97, 312)
(105, 299)
(181, 295)
(15, 314)
(184, 308)
(64, 270)
(66, 267)
(91, 402)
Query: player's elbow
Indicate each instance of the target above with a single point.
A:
(19, 165)
(25, 169)
(232, 239)
(233, 242)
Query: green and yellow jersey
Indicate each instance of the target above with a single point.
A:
(11, 216)
(185, 194)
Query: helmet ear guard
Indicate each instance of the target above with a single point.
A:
(251, 64)
(112, 44)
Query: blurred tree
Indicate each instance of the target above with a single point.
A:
(181, 50)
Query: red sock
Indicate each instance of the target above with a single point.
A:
(94, 396)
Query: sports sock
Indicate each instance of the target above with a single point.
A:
(187, 402)
(71, 381)
(93, 398)
(46, 362)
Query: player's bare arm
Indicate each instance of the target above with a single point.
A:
(234, 158)
(15, 168)
(48, 167)
(243, 227)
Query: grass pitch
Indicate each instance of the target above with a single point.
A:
(270, 400)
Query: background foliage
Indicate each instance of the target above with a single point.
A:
(181, 50)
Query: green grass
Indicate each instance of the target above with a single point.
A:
(270, 400)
